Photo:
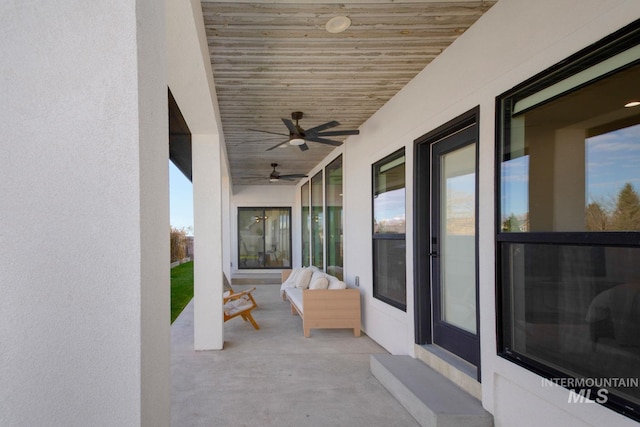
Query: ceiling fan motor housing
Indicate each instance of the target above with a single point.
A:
(294, 138)
(274, 176)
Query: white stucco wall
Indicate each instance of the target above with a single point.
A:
(515, 40)
(84, 208)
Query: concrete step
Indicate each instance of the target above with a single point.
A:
(430, 398)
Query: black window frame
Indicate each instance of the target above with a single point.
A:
(386, 236)
(609, 46)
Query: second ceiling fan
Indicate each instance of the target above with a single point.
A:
(299, 136)
(275, 175)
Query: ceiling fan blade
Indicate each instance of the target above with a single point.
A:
(254, 179)
(289, 124)
(303, 147)
(320, 128)
(340, 132)
(324, 141)
(293, 176)
(266, 131)
(279, 144)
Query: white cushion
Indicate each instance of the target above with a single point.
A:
(304, 278)
(316, 275)
(319, 283)
(337, 284)
(333, 281)
(237, 305)
(295, 297)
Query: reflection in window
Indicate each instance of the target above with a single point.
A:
(389, 198)
(576, 308)
(333, 192)
(306, 224)
(317, 222)
(613, 181)
(389, 247)
(515, 194)
(571, 164)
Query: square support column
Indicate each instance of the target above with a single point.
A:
(208, 323)
(84, 229)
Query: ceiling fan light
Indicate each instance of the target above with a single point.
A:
(274, 179)
(296, 141)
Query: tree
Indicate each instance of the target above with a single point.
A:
(178, 243)
(626, 216)
(512, 223)
(596, 218)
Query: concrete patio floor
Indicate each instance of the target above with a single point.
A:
(275, 376)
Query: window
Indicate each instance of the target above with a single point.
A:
(306, 224)
(264, 238)
(333, 192)
(317, 197)
(569, 222)
(317, 222)
(389, 248)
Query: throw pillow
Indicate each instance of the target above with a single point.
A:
(319, 283)
(338, 284)
(303, 278)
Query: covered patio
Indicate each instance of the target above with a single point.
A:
(275, 376)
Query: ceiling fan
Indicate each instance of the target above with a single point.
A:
(275, 175)
(299, 136)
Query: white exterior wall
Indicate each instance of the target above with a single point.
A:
(84, 208)
(515, 40)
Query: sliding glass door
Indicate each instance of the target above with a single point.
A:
(264, 238)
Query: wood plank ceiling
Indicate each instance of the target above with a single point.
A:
(272, 58)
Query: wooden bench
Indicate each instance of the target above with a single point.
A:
(325, 308)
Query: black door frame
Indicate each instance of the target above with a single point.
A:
(423, 292)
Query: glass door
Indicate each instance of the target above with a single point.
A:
(454, 244)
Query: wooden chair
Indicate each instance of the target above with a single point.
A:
(238, 303)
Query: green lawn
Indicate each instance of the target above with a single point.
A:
(181, 288)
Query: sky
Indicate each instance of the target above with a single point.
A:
(612, 160)
(180, 199)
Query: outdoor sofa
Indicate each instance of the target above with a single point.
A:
(321, 300)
